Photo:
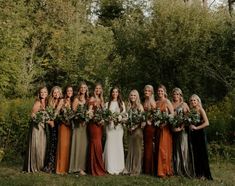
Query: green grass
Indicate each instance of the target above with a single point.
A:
(222, 172)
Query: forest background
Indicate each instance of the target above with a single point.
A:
(116, 42)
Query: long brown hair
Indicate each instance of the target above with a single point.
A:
(119, 98)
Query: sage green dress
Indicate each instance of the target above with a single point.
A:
(134, 156)
(79, 146)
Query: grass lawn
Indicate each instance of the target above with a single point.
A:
(222, 172)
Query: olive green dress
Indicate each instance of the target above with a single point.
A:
(79, 145)
(134, 156)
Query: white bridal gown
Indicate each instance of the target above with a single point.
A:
(113, 150)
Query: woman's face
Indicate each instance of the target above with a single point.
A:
(147, 92)
(193, 102)
(56, 94)
(43, 93)
(115, 93)
(83, 89)
(133, 97)
(98, 90)
(69, 92)
(176, 96)
(161, 93)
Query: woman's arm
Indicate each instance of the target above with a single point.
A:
(36, 108)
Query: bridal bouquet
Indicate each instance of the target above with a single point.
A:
(118, 118)
(135, 117)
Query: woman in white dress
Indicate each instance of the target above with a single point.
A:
(113, 150)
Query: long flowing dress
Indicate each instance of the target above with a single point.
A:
(63, 148)
(51, 155)
(200, 152)
(95, 150)
(36, 149)
(134, 156)
(182, 152)
(79, 147)
(149, 159)
(114, 150)
(164, 147)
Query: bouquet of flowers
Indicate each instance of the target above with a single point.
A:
(135, 117)
(118, 118)
(98, 116)
(177, 120)
(158, 117)
(66, 115)
(40, 117)
(51, 113)
(81, 114)
(192, 117)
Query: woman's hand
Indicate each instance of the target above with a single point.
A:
(51, 123)
(192, 127)
(162, 125)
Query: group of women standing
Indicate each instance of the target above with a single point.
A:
(77, 147)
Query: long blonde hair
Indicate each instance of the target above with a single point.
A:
(195, 96)
(101, 94)
(137, 103)
(87, 91)
(51, 100)
(179, 91)
(151, 100)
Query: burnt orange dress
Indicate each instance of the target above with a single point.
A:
(95, 160)
(164, 147)
(63, 148)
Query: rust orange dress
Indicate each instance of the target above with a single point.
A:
(164, 147)
(149, 159)
(63, 148)
(95, 160)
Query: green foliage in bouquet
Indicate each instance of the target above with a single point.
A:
(178, 119)
(135, 117)
(81, 114)
(66, 115)
(192, 117)
(51, 113)
(40, 117)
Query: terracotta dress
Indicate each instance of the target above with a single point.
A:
(201, 161)
(95, 159)
(36, 149)
(182, 152)
(134, 156)
(63, 148)
(149, 159)
(79, 146)
(164, 148)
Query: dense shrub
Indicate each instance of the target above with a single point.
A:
(14, 124)
(222, 121)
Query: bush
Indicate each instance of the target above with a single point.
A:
(14, 124)
(222, 121)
